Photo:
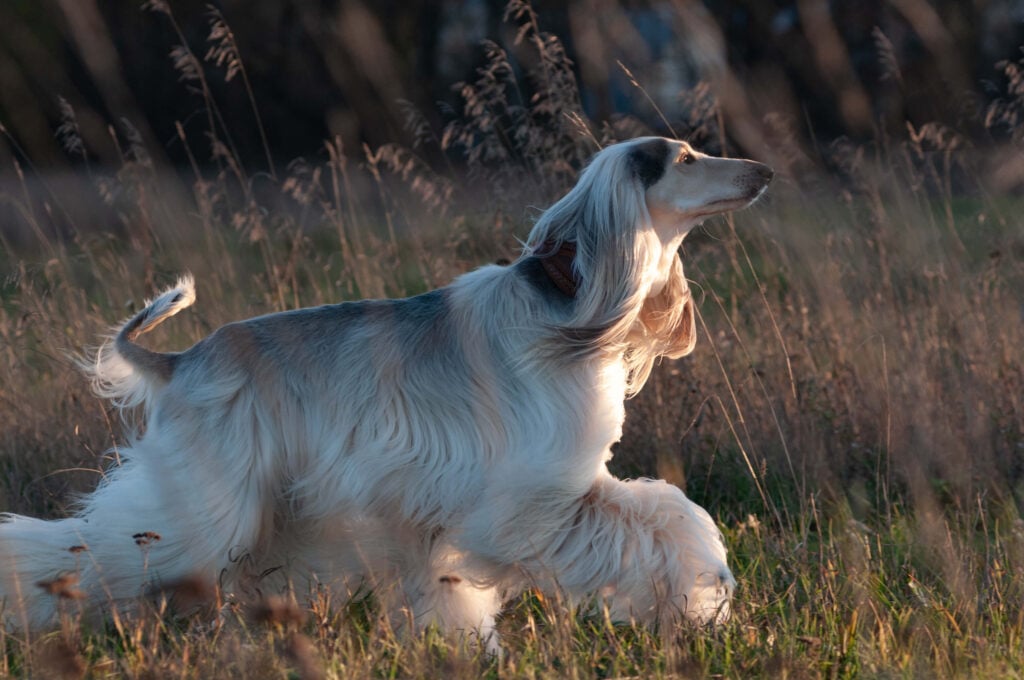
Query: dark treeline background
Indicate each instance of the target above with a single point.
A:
(320, 69)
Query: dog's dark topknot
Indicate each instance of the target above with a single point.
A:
(648, 160)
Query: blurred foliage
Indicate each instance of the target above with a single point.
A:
(336, 68)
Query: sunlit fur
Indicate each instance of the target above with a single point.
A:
(445, 450)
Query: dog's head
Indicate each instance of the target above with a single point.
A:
(643, 185)
(683, 186)
(625, 220)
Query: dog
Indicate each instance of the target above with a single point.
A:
(445, 449)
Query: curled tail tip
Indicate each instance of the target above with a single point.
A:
(176, 298)
(180, 295)
(168, 303)
(187, 284)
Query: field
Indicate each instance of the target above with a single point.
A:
(853, 415)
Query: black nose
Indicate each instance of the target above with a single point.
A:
(765, 173)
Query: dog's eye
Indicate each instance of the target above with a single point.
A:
(687, 157)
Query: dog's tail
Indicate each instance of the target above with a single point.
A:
(39, 565)
(126, 372)
(123, 541)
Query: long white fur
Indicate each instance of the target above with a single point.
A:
(445, 449)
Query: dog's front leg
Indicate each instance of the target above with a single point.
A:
(644, 548)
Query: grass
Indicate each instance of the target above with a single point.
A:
(853, 415)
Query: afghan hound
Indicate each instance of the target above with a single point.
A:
(446, 449)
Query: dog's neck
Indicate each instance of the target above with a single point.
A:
(558, 265)
(659, 275)
(670, 229)
(557, 260)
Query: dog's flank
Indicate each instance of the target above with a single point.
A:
(445, 449)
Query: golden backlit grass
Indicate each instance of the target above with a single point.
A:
(853, 415)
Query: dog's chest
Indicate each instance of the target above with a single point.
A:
(590, 409)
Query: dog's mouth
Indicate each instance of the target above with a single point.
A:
(729, 204)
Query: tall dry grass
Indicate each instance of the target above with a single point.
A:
(853, 414)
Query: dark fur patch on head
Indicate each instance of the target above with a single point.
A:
(648, 161)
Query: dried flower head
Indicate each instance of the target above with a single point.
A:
(68, 133)
(185, 63)
(223, 49)
(63, 587)
(146, 538)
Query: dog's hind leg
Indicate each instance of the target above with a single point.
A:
(456, 605)
(436, 590)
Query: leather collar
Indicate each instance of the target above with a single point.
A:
(558, 265)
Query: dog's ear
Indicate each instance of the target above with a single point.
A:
(648, 160)
(667, 319)
(683, 337)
